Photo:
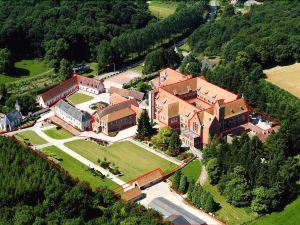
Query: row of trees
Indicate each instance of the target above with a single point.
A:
(33, 192)
(133, 44)
(195, 193)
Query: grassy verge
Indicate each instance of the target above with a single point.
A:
(228, 213)
(58, 133)
(138, 69)
(193, 170)
(132, 160)
(25, 69)
(78, 98)
(78, 170)
(31, 137)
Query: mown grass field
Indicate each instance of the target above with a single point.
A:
(24, 69)
(162, 9)
(78, 98)
(58, 133)
(229, 214)
(32, 137)
(286, 77)
(78, 170)
(132, 160)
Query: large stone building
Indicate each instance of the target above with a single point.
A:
(116, 117)
(196, 108)
(72, 115)
(68, 87)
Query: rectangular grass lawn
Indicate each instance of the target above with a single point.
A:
(78, 98)
(58, 133)
(192, 170)
(32, 137)
(132, 160)
(79, 170)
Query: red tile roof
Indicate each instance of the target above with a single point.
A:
(74, 81)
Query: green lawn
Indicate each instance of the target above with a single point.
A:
(132, 160)
(32, 137)
(79, 170)
(192, 170)
(229, 214)
(289, 216)
(24, 69)
(78, 98)
(58, 133)
(162, 9)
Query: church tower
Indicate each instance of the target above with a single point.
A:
(219, 111)
(17, 106)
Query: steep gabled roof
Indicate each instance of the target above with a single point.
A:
(73, 111)
(13, 116)
(127, 93)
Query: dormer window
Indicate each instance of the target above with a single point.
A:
(242, 108)
(232, 110)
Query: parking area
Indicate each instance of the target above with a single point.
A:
(120, 79)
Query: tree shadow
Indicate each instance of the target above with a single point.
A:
(19, 72)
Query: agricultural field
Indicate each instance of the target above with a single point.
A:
(227, 213)
(31, 137)
(286, 77)
(162, 9)
(58, 133)
(78, 98)
(78, 170)
(131, 160)
(25, 69)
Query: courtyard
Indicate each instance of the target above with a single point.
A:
(78, 98)
(132, 160)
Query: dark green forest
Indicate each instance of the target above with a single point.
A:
(34, 192)
(66, 29)
(247, 172)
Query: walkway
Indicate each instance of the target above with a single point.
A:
(158, 153)
(60, 144)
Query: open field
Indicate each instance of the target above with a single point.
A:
(121, 78)
(229, 214)
(132, 160)
(24, 69)
(162, 9)
(78, 98)
(32, 137)
(58, 133)
(286, 77)
(78, 170)
(288, 216)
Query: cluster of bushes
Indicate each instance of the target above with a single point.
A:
(195, 193)
(168, 141)
(139, 80)
(161, 58)
(110, 166)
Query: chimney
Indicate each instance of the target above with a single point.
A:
(219, 110)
